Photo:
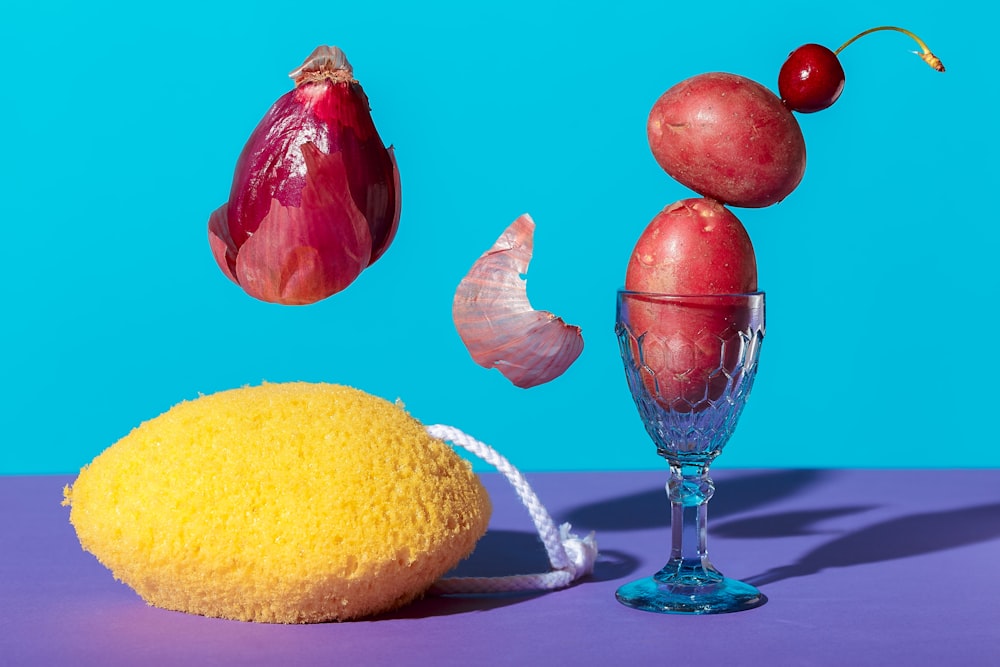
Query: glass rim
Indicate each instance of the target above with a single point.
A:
(667, 295)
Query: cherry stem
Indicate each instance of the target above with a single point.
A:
(926, 55)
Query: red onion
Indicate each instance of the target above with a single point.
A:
(497, 323)
(315, 197)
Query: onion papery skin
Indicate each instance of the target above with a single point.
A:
(496, 322)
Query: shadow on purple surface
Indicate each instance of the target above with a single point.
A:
(901, 537)
(650, 509)
(506, 552)
(449, 605)
(785, 524)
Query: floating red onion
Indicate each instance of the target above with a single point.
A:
(497, 323)
(315, 197)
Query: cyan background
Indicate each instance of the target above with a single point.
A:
(122, 123)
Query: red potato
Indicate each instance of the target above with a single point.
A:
(729, 138)
(692, 248)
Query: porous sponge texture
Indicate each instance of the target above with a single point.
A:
(283, 503)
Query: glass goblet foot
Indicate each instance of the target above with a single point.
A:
(698, 595)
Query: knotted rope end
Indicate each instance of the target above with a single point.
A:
(581, 551)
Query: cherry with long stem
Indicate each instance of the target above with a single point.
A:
(812, 78)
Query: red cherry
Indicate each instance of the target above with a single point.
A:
(811, 79)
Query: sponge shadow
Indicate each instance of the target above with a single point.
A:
(501, 553)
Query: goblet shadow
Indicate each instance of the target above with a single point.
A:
(650, 508)
(902, 537)
(785, 524)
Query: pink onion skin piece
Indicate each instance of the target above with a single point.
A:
(329, 112)
(496, 322)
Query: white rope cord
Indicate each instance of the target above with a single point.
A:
(570, 556)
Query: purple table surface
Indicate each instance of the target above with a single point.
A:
(861, 567)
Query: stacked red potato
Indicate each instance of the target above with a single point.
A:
(732, 141)
(735, 143)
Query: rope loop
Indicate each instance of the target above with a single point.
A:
(570, 556)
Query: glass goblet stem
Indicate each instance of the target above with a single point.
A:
(689, 490)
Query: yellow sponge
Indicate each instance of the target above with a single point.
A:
(284, 503)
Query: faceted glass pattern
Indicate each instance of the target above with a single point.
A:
(698, 417)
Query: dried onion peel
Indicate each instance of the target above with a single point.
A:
(497, 323)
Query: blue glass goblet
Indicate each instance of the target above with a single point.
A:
(690, 362)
